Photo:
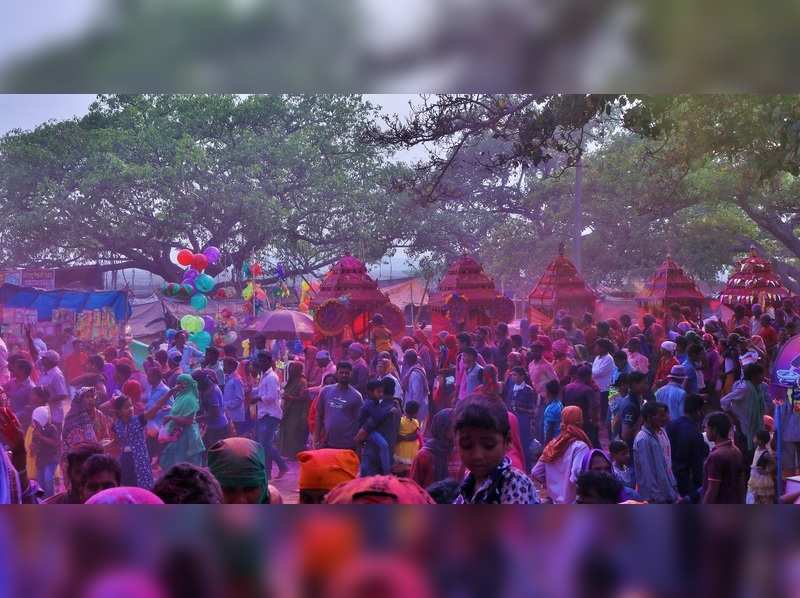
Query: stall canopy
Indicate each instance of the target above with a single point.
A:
(753, 281)
(467, 298)
(406, 291)
(44, 302)
(670, 284)
(561, 287)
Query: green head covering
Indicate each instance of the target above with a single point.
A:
(187, 403)
(239, 463)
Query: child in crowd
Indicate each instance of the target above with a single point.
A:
(552, 412)
(617, 392)
(761, 487)
(407, 439)
(45, 446)
(374, 423)
(483, 435)
(131, 444)
(620, 463)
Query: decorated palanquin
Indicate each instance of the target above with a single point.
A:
(467, 298)
(561, 288)
(753, 281)
(347, 300)
(671, 285)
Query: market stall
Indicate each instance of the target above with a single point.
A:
(346, 301)
(92, 316)
(561, 287)
(467, 298)
(670, 284)
(753, 281)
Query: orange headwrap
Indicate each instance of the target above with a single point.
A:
(571, 420)
(324, 469)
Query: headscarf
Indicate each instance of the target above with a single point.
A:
(587, 459)
(125, 495)
(570, 432)
(324, 469)
(440, 443)
(401, 491)
(78, 422)
(133, 390)
(187, 402)
(41, 415)
(489, 386)
(240, 463)
(295, 380)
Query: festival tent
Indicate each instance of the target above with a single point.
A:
(753, 281)
(561, 287)
(92, 315)
(346, 301)
(467, 298)
(670, 284)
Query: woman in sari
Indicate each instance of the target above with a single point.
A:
(294, 427)
(434, 460)
(84, 422)
(184, 444)
(560, 464)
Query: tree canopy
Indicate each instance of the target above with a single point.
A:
(139, 176)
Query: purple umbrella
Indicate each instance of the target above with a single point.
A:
(284, 323)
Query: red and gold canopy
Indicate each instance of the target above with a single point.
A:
(561, 287)
(753, 281)
(670, 284)
(466, 287)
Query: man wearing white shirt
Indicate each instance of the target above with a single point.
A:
(269, 414)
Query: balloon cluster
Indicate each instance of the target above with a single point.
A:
(252, 270)
(195, 284)
(198, 328)
(224, 334)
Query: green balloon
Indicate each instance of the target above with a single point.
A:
(202, 339)
(204, 283)
(187, 289)
(187, 323)
(199, 301)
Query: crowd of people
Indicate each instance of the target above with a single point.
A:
(668, 409)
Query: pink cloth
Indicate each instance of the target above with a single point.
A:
(515, 452)
(541, 373)
(125, 495)
(639, 362)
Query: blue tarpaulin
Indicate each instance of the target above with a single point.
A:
(44, 302)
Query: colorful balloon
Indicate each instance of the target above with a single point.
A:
(184, 257)
(199, 302)
(187, 323)
(199, 262)
(204, 283)
(187, 289)
(202, 339)
(190, 275)
(209, 324)
(256, 269)
(212, 254)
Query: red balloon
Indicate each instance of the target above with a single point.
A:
(256, 270)
(185, 257)
(199, 262)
